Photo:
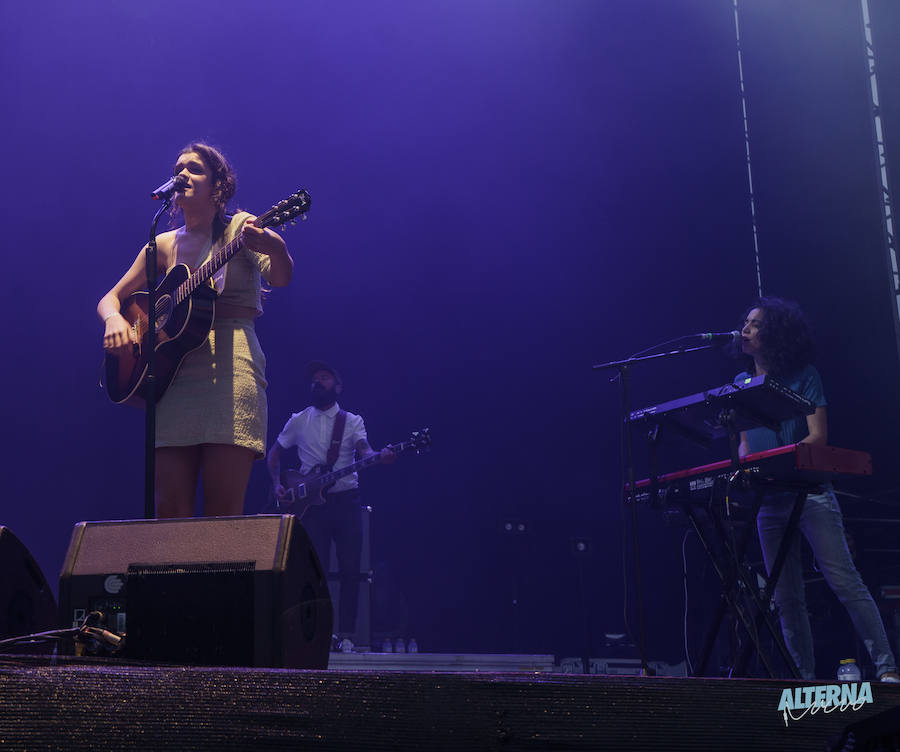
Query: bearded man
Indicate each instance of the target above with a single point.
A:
(328, 437)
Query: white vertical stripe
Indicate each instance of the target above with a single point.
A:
(737, 34)
(882, 169)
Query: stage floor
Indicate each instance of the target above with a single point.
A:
(444, 662)
(71, 704)
(494, 662)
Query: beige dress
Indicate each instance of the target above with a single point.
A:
(218, 395)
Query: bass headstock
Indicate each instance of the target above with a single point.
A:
(420, 440)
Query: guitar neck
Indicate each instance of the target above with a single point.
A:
(372, 459)
(205, 272)
(284, 211)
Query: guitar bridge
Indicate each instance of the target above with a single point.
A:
(137, 330)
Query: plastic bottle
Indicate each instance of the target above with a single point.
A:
(399, 646)
(387, 646)
(848, 671)
(412, 646)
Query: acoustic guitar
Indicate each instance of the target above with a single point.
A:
(185, 308)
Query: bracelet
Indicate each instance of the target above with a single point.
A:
(110, 315)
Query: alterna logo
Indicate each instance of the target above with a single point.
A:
(796, 702)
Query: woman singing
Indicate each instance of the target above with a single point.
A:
(211, 421)
(776, 340)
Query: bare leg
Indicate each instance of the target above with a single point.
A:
(177, 469)
(226, 473)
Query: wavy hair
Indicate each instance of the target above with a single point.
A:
(223, 179)
(785, 337)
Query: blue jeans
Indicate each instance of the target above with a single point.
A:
(823, 526)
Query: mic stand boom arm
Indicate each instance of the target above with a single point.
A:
(622, 366)
(619, 364)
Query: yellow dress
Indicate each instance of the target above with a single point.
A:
(218, 395)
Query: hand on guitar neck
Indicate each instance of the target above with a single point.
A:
(184, 307)
(305, 489)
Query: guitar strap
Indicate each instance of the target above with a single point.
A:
(337, 436)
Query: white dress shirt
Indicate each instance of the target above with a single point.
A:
(310, 431)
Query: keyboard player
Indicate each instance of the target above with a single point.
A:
(776, 340)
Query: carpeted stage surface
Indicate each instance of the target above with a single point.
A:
(77, 704)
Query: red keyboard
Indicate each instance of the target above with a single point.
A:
(795, 463)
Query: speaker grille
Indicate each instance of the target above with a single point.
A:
(201, 614)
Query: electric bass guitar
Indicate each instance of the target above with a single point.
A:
(185, 307)
(305, 490)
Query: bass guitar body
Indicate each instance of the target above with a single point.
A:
(306, 490)
(180, 328)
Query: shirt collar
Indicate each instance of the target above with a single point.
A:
(330, 412)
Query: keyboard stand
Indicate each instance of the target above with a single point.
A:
(789, 533)
(737, 579)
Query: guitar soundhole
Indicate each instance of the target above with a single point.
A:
(163, 310)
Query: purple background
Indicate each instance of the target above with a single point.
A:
(504, 192)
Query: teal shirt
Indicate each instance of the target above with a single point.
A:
(806, 382)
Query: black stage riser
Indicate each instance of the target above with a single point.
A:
(27, 604)
(106, 707)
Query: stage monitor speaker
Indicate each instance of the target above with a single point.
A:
(225, 591)
(27, 604)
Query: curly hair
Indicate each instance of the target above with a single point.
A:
(785, 336)
(223, 179)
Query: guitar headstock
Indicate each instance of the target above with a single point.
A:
(287, 210)
(420, 440)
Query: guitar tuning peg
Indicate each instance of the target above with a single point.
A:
(303, 216)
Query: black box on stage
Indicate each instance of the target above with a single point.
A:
(227, 591)
(27, 604)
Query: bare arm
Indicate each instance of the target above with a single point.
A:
(273, 463)
(118, 334)
(133, 280)
(744, 446)
(270, 244)
(363, 450)
(818, 427)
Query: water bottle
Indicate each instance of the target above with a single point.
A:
(387, 646)
(412, 646)
(399, 646)
(848, 671)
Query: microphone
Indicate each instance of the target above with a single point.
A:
(720, 338)
(177, 183)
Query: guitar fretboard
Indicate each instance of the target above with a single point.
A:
(206, 270)
(372, 459)
(282, 212)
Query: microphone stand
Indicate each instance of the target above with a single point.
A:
(622, 366)
(150, 381)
